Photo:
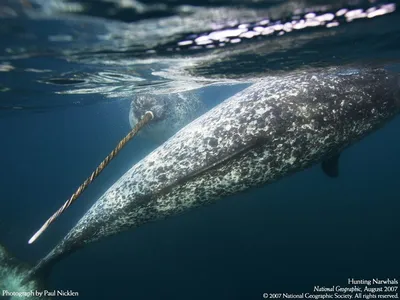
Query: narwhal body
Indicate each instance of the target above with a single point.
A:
(277, 126)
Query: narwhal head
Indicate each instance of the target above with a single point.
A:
(377, 101)
(389, 97)
(397, 90)
(147, 102)
(161, 127)
(171, 113)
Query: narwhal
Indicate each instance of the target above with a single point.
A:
(277, 126)
(171, 112)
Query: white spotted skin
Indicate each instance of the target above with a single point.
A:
(277, 126)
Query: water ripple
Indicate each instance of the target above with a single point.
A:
(118, 48)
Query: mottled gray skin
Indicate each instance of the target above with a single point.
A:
(277, 126)
(171, 113)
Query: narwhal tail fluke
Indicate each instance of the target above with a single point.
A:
(15, 279)
(38, 271)
(42, 269)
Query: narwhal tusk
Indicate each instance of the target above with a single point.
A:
(148, 116)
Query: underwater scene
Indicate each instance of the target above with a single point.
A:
(199, 149)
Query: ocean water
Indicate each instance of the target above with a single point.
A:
(68, 73)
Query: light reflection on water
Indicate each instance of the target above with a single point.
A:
(125, 47)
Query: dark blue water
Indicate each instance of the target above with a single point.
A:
(58, 124)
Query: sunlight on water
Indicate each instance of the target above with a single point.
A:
(177, 47)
